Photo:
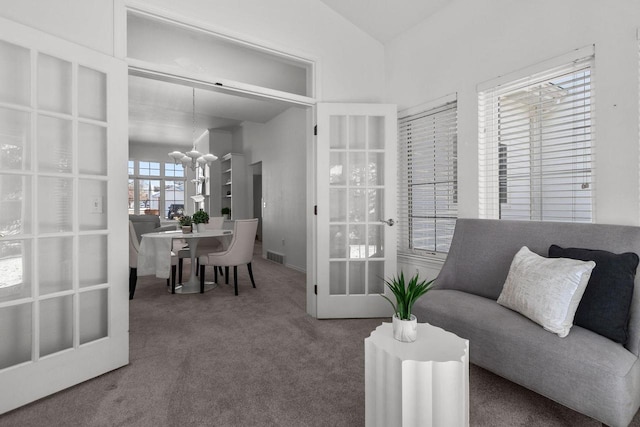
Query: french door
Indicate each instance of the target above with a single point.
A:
(63, 249)
(356, 191)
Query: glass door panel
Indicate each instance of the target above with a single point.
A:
(93, 315)
(92, 94)
(15, 138)
(55, 264)
(16, 268)
(15, 205)
(92, 149)
(338, 278)
(55, 202)
(56, 325)
(55, 152)
(15, 71)
(15, 328)
(93, 260)
(54, 84)
(355, 199)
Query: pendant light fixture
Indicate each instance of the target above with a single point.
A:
(194, 158)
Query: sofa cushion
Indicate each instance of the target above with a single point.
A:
(606, 302)
(546, 290)
(584, 371)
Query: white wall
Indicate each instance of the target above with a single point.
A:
(281, 146)
(85, 22)
(350, 61)
(350, 64)
(470, 42)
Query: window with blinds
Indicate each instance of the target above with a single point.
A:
(536, 146)
(428, 180)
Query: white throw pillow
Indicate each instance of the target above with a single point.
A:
(546, 290)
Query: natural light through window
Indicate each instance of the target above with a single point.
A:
(428, 179)
(536, 139)
(156, 188)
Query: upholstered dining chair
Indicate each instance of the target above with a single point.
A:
(205, 246)
(134, 248)
(240, 251)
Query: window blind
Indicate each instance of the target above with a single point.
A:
(536, 146)
(428, 180)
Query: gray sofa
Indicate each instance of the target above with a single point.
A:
(583, 371)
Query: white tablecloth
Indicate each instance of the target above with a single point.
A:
(155, 256)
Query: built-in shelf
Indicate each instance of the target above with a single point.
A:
(234, 181)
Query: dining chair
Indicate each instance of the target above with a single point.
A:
(134, 249)
(148, 224)
(205, 245)
(240, 251)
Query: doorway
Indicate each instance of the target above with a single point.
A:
(257, 196)
(193, 56)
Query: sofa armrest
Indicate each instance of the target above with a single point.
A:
(165, 228)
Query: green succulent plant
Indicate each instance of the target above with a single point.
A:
(406, 294)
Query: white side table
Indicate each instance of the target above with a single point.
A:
(424, 383)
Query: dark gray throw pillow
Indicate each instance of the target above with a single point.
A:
(606, 302)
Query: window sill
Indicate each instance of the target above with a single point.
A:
(428, 259)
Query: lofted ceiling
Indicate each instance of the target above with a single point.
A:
(385, 19)
(161, 112)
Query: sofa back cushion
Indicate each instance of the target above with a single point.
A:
(604, 307)
(482, 250)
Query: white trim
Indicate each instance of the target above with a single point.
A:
(121, 7)
(429, 105)
(312, 237)
(433, 261)
(206, 81)
(539, 67)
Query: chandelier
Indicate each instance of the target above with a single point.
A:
(193, 158)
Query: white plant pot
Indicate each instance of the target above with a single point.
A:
(201, 227)
(405, 330)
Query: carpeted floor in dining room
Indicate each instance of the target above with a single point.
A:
(254, 360)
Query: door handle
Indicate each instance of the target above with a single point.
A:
(389, 222)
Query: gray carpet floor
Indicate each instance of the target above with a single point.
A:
(254, 360)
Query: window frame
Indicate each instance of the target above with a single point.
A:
(561, 181)
(444, 111)
(162, 178)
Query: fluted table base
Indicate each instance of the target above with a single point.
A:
(424, 383)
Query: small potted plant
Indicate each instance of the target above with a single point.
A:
(200, 218)
(185, 223)
(226, 212)
(405, 324)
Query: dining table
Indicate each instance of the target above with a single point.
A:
(155, 254)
